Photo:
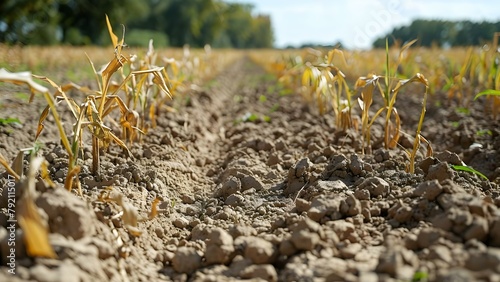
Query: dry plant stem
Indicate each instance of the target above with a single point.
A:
(300, 191)
(68, 183)
(416, 143)
(95, 156)
(5, 164)
(365, 102)
(72, 173)
(64, 138)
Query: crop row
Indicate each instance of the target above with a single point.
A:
(346, 84)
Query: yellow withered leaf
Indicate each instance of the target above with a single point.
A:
(430, 151)
(51, 82)
(416, 78)
(332, 53)
(310, 76)
(154, 208)
(5, 164)
(68, 183)
(59, 93)
(114, 38)
(152, 115)
(36, 235)
(18, 164)
(114, 65)
(396, 130)
(44, 173)
(22, 78)
(43, 116)
(404, 48)
(130, 214)
(160, 81)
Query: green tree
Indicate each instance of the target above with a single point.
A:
(174, 22)
(442, 33)
(29, 21)
(237, 24)
(262, 36)
(72, 21)
(214, 22)
(193, 22)
(87, 16)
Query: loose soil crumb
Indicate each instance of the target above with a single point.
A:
(257, 189)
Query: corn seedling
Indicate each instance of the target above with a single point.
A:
(459, 84)
(418, 137)
(369, 85)
(5, 121)
(289, 72)
(100, 104)
(327, 83)
(469, 169)
(393, 86)
(141, 95)
(493, 80)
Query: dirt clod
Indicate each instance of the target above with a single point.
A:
(186, 260)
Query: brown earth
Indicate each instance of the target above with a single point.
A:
(285, 197)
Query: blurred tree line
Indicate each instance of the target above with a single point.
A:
(442, 33)
(168, 22)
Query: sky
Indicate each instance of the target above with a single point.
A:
(357, 23)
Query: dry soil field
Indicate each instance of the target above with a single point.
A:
(257, 186)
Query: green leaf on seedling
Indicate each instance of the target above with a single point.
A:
(420, 276)
(250, 117)
(5, 121)
(484, 132)
(468, 169)
(463, 110)
(262, 98)
(488, 93)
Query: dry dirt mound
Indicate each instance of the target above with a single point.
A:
(255, 186)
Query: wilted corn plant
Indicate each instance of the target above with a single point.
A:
(144, 86)
(327, 83)
(25, 78)
(98, 105)
(393, 85)
(287, 68)
(458, 86)
(489, 75)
